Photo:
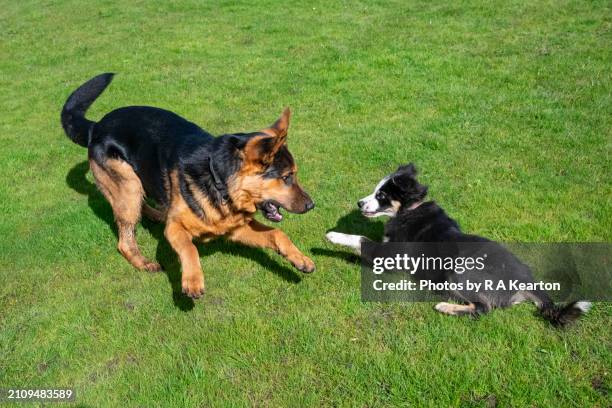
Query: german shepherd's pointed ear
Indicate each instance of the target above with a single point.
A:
(262, 149)
(280, 128)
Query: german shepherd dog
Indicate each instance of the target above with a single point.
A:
(401, 197)
(203, 186)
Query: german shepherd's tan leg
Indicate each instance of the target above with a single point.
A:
(123, 190)
(259, 235)
(192, 278)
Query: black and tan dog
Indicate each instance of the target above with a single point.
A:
(204, 186)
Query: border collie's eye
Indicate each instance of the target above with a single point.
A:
(380, 196)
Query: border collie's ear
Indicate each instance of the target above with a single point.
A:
(407, 183)
(408, 168)
(403, 180)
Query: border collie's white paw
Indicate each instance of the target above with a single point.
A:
(335, 237)
(353, 241)
(444, 307)
(454, 309)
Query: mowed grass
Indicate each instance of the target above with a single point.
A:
(505, 107)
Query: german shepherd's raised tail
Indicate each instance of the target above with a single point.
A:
(203, 186)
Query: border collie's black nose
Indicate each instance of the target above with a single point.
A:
(360, 203)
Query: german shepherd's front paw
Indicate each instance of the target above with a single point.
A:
(193, 287)
(302, 263)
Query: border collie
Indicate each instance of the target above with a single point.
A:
(413, 219)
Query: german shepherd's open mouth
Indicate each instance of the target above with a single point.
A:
(271, 210)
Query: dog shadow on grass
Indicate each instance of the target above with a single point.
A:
(165, 255)
(356, 224)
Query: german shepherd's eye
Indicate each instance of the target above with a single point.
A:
(287, 178)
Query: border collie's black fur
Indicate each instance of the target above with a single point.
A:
(401, 197)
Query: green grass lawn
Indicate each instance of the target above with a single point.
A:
(505, 106)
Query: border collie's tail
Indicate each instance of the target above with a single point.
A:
(73, 114)
(561, 315)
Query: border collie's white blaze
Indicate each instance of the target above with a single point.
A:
(375, 204)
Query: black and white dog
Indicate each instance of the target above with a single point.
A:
(401, 197)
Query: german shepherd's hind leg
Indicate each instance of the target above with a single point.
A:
(192, 278)
(256, 234)
(123, 190)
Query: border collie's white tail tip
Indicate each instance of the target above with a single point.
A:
(560, 315)
(584, 306)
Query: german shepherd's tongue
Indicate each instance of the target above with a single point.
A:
(271, 212)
